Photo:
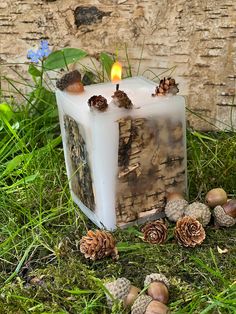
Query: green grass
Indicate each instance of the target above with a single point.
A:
(40, 226)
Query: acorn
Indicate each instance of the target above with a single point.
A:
(199, 211)
(216, 197)
(144, 304)
(158, 286)
(156, 307)
(172, 196)
(75, 88)
(71, 82)
(230, 208)
(225, 215)
(175, 206)
(132, 296)
(122, 290)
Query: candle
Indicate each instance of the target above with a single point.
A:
(121, 163)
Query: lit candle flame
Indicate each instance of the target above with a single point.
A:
(116, 72)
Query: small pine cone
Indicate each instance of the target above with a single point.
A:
(122, 100)
(98, 244)
(98, 102)
(221, 218)
(140, 305)
(68, 79)
(199, 211)
(119, 289)
(174, 210)
(166, 86)
(155, 232)
(156, 277)
(189, 232)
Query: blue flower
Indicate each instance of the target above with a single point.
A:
(33, 56)
(42, 52)
(44, 44)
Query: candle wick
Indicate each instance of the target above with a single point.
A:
(117, 86)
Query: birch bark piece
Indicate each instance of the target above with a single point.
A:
(151, 164)
(81, 180)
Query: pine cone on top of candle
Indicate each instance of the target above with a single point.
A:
(122, 100)
(166, 86)
(98, 244)
(155, 232)
(98, 102)
(189, 232)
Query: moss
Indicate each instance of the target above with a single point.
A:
(189, 271)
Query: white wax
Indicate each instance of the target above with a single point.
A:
(101, 134)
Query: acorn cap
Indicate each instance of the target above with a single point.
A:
(140, 305)
(119, 289)
(199, 211)
(68, 79)
(156, 277)
(221, 218)
(174, 210)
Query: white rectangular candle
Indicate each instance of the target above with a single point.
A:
(122, 162)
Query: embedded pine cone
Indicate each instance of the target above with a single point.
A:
(155, 232)
(221, 218)
(189, 232)
(98, 102)
(119, 289)
(68, 79)
(156, 277)
(166, 86)
(174, 210)
(140, 305)
(199, 211)
(122, 100)
(98, 244)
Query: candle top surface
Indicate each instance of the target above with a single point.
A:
(138, 89)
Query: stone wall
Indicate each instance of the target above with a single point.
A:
(199, 37)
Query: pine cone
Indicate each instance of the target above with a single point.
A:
(155, 232)
(68, 79)
(98, 244)
(122, 100)
(189, 232)
(98, 102)
(199, 211)
(166, 86)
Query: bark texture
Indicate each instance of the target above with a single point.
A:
(81, 180)
(151, 164)
(196, 36)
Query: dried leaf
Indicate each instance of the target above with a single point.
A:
(222, 251)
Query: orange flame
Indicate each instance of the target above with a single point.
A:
(116, 71)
